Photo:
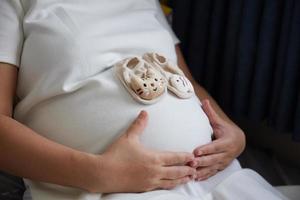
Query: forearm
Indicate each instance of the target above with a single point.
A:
(200, 91)
(27, 154)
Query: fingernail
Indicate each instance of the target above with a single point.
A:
(198, 179)
(193, 163)
(199, 153)
(208, 102)
(190, 160)
(189, 163)
(142, 113)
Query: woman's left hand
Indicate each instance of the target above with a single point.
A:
(229, 142)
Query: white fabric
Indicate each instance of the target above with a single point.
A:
(69, 94)
(11, 33)
(242, 185)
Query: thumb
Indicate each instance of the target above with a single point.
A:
(213, 117)
(137, 127)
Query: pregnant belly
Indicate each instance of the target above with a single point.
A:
(94, 115)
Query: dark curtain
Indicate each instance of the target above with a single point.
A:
(246, 53)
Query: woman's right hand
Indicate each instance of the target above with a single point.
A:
(127, 166)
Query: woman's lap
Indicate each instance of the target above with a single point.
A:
(192, 190)
(233, 183)
(242, 184)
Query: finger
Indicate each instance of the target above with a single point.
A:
(138, 125)
(172, 158)
(206, 176)
(176, 172)
(216, 146)
(205, 172)
(169, 184)
(210, 112)
(208, 160)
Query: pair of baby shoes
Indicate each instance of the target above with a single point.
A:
(148, 78)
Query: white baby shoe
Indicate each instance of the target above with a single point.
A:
(145, 83)
(177, 82)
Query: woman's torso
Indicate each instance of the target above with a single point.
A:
(67, 88)
(66, 84)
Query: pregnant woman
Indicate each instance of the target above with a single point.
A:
(75, 133)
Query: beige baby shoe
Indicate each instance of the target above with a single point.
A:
(177, 82)
(145, 83)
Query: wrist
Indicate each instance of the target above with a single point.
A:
(87, 171)
(96, 179)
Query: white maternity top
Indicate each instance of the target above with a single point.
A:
(67, 90)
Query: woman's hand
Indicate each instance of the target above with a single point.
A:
(228, 144)
(127, 166)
